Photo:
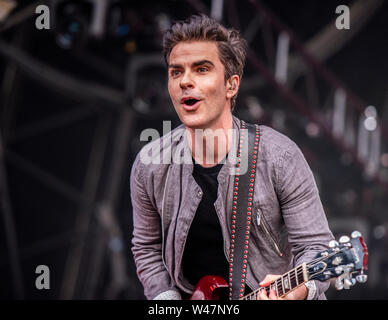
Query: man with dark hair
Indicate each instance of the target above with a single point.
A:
(231, 47)
(182, 211)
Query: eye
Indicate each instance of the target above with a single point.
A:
(175, 73)
(202, 69)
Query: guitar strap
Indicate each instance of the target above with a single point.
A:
(243, 192)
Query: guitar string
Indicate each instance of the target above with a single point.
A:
(292, 277)
(312, 262)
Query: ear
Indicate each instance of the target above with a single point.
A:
(232, 86)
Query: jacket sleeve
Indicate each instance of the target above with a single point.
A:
(147, 240)
(303, 214)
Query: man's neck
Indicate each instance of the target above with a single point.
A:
(209, 146)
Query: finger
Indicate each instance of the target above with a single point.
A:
(272, 295)
(289, 296)
(262, 295)
(269, 278)
(265, 283)
(298, 294)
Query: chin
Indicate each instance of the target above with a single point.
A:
(194, 121)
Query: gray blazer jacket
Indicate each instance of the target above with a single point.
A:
(289, 226)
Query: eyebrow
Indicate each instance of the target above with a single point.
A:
(194, 64)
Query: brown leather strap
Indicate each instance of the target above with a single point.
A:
(243, 192)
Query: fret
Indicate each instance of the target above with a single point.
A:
(296, 276)
(276, 287)
(256, 294)
(293, 283)
(300, 276)
(289, 280)
(282, 285)
(305, 276)
(269, 288)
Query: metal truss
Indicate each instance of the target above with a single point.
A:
(339, 112)
(98, 199)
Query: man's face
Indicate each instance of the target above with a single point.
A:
(196, 84)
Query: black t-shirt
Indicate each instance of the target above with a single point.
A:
(204, 248)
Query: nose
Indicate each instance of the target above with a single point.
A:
(187, 81)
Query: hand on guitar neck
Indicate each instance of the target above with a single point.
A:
(299, 293)
(346, 261)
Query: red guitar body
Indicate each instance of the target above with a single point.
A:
(210, 288)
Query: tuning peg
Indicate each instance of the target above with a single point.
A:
(344, 239)
(339, 269)
(339, 284)
(356, 234)
(324, 254)
(333, 244)
(362, 278)
(349, 283)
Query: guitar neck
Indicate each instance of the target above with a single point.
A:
(284, 284)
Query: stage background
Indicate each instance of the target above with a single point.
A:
(75, 97)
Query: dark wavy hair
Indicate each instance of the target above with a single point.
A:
(231, 46)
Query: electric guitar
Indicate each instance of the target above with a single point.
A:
(343, 260)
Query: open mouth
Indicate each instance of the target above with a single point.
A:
(189, 101)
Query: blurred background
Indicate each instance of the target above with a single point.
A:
(74, 98)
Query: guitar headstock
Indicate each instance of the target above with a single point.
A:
(344, 259)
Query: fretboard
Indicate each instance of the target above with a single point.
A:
(284, 284)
